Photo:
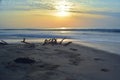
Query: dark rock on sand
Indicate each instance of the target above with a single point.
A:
(105, 70)
(98, 59)
(73, 49)
(48, 66)
(24, 60)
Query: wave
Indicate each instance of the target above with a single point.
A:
(14, 36)
(92, 30)
(90, 35)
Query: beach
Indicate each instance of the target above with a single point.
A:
(58, 62)
(59, 40)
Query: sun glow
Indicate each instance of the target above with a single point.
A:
(62, 8)
(63, 28)
(62, 14)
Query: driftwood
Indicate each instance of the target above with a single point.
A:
(62, 40)
(24, 41)
(68, 43)
(3, 43)
(45, 42)
(53, 41)
(29, 44)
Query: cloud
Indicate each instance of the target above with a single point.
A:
(76, 6)
(27, 5)
(105, 13)
(115, 14)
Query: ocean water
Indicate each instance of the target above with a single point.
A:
(104, 39)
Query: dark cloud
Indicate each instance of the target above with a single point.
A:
(27, 5)
(41, 6)
(106, 13)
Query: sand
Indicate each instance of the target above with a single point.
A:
(73, 62)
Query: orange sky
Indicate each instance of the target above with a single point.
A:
(59, 13)
(33, 20)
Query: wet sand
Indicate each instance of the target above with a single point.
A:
(72, 62)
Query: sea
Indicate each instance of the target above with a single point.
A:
(103, 39)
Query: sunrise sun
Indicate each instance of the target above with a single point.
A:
(62, 14)
(63, 27)
(62, 8)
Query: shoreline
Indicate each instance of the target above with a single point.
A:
(74, 43)
(82, 43)
(110, 47)
(73, 62)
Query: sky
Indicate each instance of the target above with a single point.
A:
(60, 14)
